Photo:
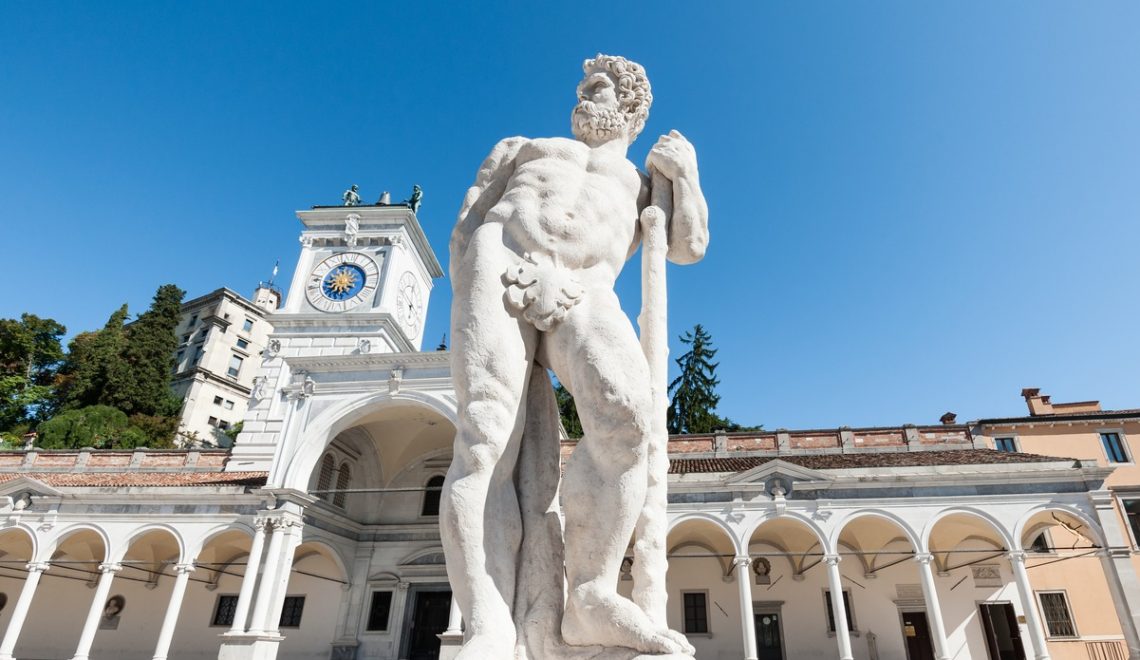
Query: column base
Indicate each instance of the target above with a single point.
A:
(249, 646)
(449, 645)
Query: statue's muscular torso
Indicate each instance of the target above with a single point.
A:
(572, 203)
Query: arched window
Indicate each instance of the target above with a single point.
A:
(342, 480)
(324, 480)
(431, 496)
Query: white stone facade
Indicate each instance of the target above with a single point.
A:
(221, 337)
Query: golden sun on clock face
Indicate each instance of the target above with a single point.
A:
(342, 282)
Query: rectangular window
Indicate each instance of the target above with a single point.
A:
(224, 610)
(831, 612)
(223, 425)
(228, 405)
(193, 320)
(1132, 512)
(291, 613)
(242, 343)
(1058, 619)
(186, 339)
(696, 612)
(1005, 444)
(213, 421)
(379, 610)
(247, 326)
(235, 367)
(1114, 448)
(217, 401)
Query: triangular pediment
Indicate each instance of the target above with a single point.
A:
(25, 484)
(777, 468)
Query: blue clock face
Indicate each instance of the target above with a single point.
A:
(343, 282)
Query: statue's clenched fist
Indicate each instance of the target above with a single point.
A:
(672, 156)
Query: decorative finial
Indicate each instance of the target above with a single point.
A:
(442, 343)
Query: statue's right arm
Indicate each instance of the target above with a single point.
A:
(490, 184)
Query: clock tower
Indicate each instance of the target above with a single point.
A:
(364, 272)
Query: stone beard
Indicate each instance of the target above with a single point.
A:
(541, 237)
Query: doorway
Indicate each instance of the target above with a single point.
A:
(916, 636)
(1003, 635)
(429, 609)
(769, 634)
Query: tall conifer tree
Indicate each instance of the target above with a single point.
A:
(693, 393)
(140, 380)
(91, 367)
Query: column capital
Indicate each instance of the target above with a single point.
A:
(186, 568)
(832, 560)
(107, 567)
(924, 558)
(260, 523)
(742, 561)
(37, 566)
(1016, 556)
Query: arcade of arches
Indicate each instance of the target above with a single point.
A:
(784, 556)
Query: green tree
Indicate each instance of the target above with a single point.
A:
(567, 411)
(30, 357)
(140, 379)
(92, 426)
(693, 397)
(91, 369)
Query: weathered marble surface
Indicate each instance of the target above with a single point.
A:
(541, 238)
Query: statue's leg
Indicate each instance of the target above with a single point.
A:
(596, 353)
(480, 523)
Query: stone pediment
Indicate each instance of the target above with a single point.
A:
(25, 484)
(780, 471)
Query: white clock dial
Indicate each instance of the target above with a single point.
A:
(409, 303)
(342, 282)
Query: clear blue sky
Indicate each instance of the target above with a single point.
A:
(915, 207)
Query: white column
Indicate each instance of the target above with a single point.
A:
(291, 535)
(166, 633)
(20, 613)
(933, 607)
(747, 619)
(1029, 605)
(91, 626)
(838, 609)
(265, 592)
(1119, 571)
(249, 580)
(454, 619)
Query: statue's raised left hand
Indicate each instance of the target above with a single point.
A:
(672, 156)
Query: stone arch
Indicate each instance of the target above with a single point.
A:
(138, 533)
(340, 417)
(68, 532)
(29, 535)
(1022, 526)
(209, 535)
(707, 517)
(319, 545)
(811, 537)
(984, 516)
(909, 533)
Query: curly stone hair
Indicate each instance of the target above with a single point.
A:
(631, 86)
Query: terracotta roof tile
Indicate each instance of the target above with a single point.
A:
(862, 460)
(127, 479)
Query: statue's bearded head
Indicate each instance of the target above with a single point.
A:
(613, 100)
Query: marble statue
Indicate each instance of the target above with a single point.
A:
(351, 196)
(541, 238)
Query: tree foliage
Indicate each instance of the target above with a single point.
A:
(30, 356)
(693, 397)
(141, 375)
(91, 370)
(567, 411)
